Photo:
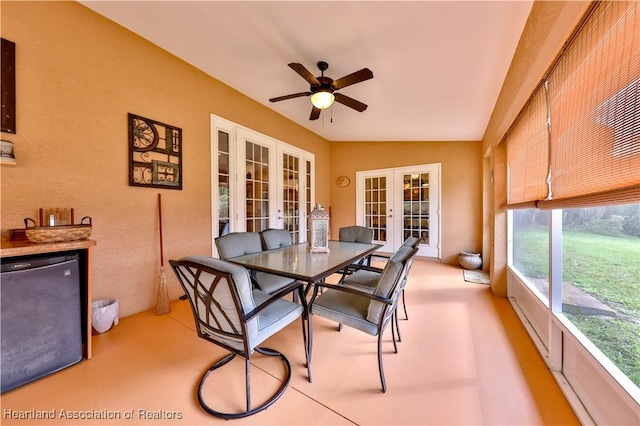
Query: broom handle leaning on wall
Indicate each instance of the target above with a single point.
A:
(163, 305)
(160, 228)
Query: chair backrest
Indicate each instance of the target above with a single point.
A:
(412, 242)
(237, 244)
(220, 294)
(275, 238)
(389, 283)
(355, 234)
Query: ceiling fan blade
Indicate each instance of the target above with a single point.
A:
(350, 102)
(295, 95)
(305, 73)
(315, 113)
(353, 78)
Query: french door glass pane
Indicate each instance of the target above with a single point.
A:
(415, 214)
(291, 196)
(375, 206)
(257, 187)
(223, 182)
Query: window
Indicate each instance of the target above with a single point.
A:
(531, 249)
(601, 280)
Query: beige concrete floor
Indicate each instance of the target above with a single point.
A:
(464, 359)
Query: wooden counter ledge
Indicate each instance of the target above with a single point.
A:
(22, 248)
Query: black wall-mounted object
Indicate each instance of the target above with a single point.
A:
(155, 154)
(8, 51)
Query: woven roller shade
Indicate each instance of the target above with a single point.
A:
(615, 197)
(591, 149)
(528, 153)
(595, 108)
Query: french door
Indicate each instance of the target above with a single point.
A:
(292, 206)
(399, 203)
(258, 182)
(375, 206)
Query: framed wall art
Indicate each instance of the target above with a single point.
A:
(155, 154)
(8, 65)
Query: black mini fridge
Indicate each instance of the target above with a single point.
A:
(41, 322)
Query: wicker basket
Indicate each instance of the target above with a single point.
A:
(56, 234)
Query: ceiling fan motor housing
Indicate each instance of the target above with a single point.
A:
(325, 85)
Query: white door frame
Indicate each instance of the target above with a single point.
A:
(238, 135)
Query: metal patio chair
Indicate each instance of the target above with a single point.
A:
(230, 313)
(370, 312)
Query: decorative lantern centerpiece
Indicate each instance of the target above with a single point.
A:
(319, 230)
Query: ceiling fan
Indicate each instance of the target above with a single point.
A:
(322, 90)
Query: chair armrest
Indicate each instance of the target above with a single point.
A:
(354, 268)
(382, 255)
(276, 296)
(364, 268)
(371, 296)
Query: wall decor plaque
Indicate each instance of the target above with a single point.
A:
(155, 154)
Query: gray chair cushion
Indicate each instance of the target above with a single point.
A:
(355, 234)
(275, 238)
(362, 280)
(391, 275)
(270, 283)
(344, 308)
(412, 242)
(274, 317)
(388, 279)
(238, 244)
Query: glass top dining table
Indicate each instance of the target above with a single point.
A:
(296, 261)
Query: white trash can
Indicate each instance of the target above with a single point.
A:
(104, 314)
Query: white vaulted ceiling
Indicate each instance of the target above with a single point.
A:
(438, 65)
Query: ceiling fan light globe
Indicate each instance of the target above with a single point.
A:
(322, 100)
